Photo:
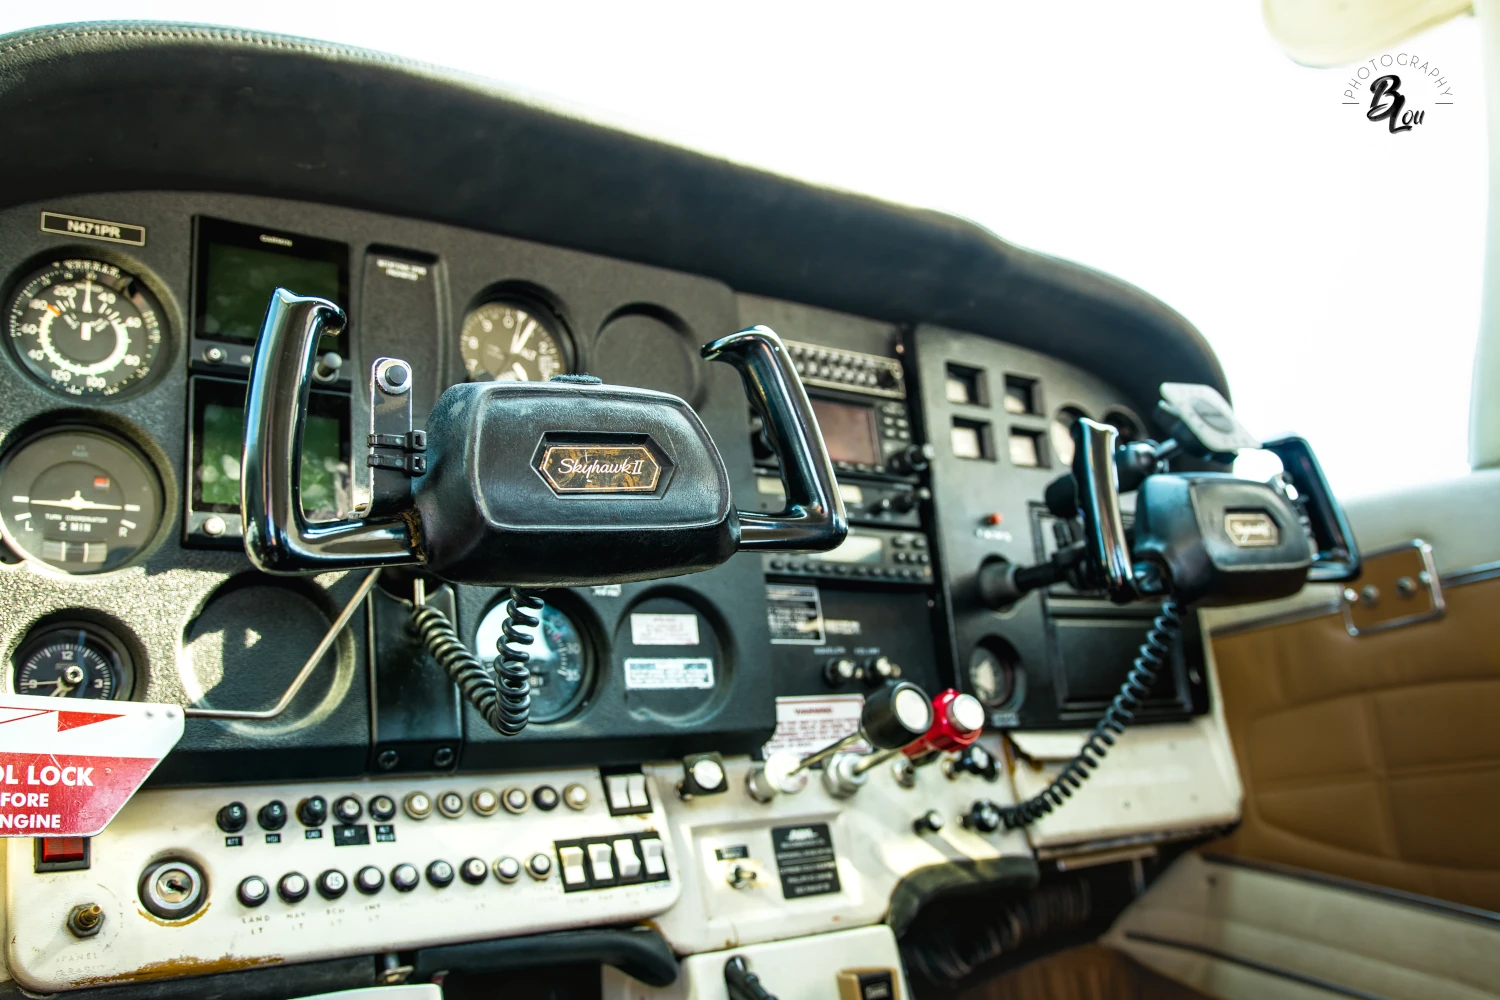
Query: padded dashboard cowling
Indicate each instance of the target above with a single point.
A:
(491, 508)
(241, 111)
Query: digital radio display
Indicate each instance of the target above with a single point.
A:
(848, 431)
(855, 549)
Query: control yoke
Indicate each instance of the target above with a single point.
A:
(1205, 538)
(563, 483)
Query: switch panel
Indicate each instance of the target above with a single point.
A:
(615, 861)
(386, 864)
(626, 793)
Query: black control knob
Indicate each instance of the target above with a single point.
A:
(473, 871)
(405, 878)
(840, 671)
(881, 669)
(983, 816)
(233, 817)
(440, 874)
(369, 880)
(313, 810)
(253, 891)
(898, 503)
(702, 774)
(272, 815)
(976, 760)
(332, 884)
(930, 821)
(895, 715)
(292, 887)
(347, 809)
(912, 458)
(382, 808)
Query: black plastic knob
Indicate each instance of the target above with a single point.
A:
(313, 810)
(440, 874)
(474, 871)
(405, 878)
(895, 714)
(253, 891)
(233, 817)
(880, 669)
(901, 502)
(930, 821)
(840, 671)
(347, 809)
(272, 815)
(976, 760)
(912, 458)
(292, 887)
(369, 880)
(332, 884)
(983, 816)
(382, 808)
(545, 798)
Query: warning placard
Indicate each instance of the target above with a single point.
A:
(66, 772)
(795, 614)
(807, 724)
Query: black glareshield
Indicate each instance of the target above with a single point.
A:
(529, 484)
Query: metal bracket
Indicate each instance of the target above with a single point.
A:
(1398, 586)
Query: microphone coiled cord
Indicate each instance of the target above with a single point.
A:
(1165, 630)
(506, 706)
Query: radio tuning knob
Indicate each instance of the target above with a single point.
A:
(900, 502)
(880, 669)
(912, 458)
(840, 671)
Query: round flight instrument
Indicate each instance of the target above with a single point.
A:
(560, 666)
(81, 500)
(85, 328)
(1062, 434)
(508, 342)
(73, 660)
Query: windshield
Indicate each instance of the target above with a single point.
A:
(1335, 267)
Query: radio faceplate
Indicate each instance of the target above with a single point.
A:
(874, 554)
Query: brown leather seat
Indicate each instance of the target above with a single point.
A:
(1088, 972)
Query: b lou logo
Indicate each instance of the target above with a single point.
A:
(1397, 89)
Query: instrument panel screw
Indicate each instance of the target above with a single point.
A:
(442, 757)
(85, 920)
(387, 760)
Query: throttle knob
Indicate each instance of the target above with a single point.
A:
(983, 816)
(895, 715)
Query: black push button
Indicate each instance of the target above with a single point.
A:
(233, 817)
(346, 809)
(272, 815)
(369, 880)
(545, 798)
(332, 884)
(474, 871)
(253, 891)
(292, 888)
(404, 878)
(313, 810)
(440, 874)
(382, 808)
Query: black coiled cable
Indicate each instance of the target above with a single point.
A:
(506, 706)
(1165, 630)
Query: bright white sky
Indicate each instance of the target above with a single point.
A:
(1335, 268)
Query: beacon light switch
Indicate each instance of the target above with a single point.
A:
(626, 859)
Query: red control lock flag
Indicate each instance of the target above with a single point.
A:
(65, 771)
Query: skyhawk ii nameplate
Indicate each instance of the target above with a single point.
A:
(583, 468)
